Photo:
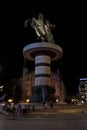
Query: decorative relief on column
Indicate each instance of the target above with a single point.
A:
(42, 70)
(42, 59)
(42, 81)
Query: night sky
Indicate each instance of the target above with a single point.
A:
(70, 33)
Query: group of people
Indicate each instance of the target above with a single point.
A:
(21, 109)
(15, 109)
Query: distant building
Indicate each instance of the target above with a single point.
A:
(83, 89)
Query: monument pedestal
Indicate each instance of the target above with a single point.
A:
(42, 53)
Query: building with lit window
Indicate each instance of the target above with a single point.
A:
(83, 89)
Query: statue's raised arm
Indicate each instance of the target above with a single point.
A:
(49, 35)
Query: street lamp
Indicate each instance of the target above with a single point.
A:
(10, 100)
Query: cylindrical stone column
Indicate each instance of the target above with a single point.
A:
(42, 70)
(42, 74)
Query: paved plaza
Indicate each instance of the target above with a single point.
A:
(51, 122)
(66, 117)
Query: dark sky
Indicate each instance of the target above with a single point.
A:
(70, 33)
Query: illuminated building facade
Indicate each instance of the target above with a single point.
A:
(83, 89)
